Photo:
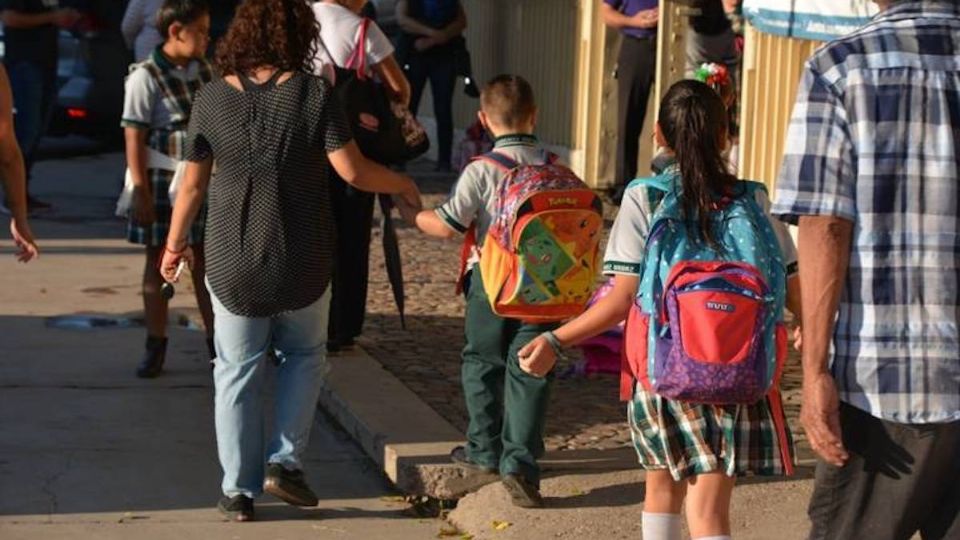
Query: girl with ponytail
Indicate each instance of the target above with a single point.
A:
(691, 452)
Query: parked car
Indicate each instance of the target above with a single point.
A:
(90, 93)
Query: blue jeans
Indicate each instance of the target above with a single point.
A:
(299, 341)
(34, 93)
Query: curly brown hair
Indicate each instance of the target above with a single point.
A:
(269, 33)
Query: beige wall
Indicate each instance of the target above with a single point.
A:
(772, 66)
(537, 39)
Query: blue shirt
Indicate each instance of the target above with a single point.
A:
(631, 8)
(439, 13)
(875, 139)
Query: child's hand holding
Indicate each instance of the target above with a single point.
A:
(408, 210)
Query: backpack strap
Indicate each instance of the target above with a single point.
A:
(660, 183)
(358, 58)
(500, 160)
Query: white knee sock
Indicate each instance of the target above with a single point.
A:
(661, 526)
(722, 537)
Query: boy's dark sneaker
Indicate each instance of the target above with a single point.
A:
(288, 486)
(522, 493)
(236, 508)
(459, 456)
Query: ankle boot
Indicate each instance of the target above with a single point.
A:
(152, 364)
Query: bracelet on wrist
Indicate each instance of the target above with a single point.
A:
(175, 251)
(554, 343)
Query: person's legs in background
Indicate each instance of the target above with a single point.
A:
(635, 76)
(443, 81)
(353, 213)
(34, 90)
(28, 87)
(415, 69)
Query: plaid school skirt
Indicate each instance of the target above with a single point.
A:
(689, 439)
(155, 234)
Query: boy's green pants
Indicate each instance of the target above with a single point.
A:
(507, 407)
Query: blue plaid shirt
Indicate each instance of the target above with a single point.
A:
(875, 139)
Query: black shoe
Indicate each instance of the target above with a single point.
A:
(236, 508)
(522, 493)
(459, 456)
(288, 486)
(152, 364)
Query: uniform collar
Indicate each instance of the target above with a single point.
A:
(163, 62)
(516, 139)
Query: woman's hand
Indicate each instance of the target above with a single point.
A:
(411, 196)
(538, 357)
(143, 209)
(23, 238)
(171, 261)
(798, 339)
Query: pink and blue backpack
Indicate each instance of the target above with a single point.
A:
(707, 325)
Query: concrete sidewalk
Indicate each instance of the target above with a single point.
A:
(89, 451)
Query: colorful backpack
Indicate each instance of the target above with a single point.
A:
(707, 324)
(540, 259)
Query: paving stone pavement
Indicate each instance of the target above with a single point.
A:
(584, 410)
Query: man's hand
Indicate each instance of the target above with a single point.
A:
(820, 417)
(538, 357)
(647, 18)
(66, 17)
(143, 210)
(23, 238)
(798, 338)
(425, 43)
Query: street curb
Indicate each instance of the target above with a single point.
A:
(411, 442)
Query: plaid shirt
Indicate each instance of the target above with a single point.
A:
(875, 139)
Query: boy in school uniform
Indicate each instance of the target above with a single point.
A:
(159, 94)
(506, 406)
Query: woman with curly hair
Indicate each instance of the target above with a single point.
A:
(274, 130)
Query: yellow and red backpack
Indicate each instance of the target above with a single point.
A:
(540, 258)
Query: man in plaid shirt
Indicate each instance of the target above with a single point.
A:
(871, 175)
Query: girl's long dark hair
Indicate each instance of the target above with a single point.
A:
(276, 33)
(693, 121)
